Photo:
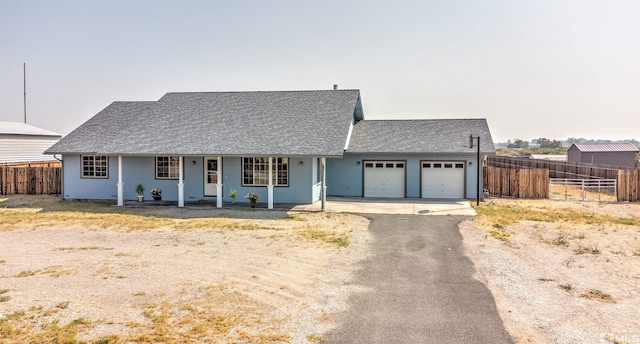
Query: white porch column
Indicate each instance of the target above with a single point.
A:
(120, 184)
(270, 186)
(219, 194)
(323, 163)
(181, 182)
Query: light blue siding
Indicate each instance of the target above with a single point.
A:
(76, 187)
(142, 170)
(298, 191)
(345, 177)
(135, 170)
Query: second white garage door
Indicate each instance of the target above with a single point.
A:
(442, 179)
(384, 178)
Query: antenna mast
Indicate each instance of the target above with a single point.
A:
(24, 77)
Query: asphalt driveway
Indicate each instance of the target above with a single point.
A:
(420, 288)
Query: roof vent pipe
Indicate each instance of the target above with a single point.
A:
(335, 87)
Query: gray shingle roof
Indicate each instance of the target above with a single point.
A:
(606, 147)
(420, 136)
(279, 123)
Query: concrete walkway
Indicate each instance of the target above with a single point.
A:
(412, 206)
(419, 288)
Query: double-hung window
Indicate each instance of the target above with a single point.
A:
(167, 167)
(95, 166)
(255, 171)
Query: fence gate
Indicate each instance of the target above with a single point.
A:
(601, 190)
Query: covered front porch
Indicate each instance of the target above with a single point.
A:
(222, 179)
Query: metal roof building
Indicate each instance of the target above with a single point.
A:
(618, 154)
(20, 142)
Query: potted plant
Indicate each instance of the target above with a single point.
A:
(253, 198)
(156, 193)
(140, 192)
(233, 194)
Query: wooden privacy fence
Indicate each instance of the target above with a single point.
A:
(517, 183)
(628, 186)
(30, 180)
(525, 182)
(558, 169)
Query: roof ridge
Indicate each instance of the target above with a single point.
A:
(425, 119)
(275, 91)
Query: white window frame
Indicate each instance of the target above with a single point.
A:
(94, 166)
(255, 171)
(167, 167)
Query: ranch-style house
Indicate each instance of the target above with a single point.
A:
(286, 146)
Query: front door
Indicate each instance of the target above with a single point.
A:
(210, 176)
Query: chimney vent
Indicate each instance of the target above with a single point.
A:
(335, 87)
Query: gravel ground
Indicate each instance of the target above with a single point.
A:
(542, 288)
(276, 279)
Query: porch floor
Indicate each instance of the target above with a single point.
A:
(415, 206)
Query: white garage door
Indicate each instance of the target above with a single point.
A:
(442, 179)
(384, 178)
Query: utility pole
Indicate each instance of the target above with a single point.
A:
(24, 83)
(471, 137)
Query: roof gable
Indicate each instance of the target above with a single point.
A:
(420, 136)
(311, 123)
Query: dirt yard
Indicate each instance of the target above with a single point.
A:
(570, 275)
(93, 272)
(560, 271)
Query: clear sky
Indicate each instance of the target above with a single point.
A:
(553, 69)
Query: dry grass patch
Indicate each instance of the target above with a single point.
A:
(317, 232)
(58, 270)
(92, 248)
(26, 273)
(37, 218)
(597, 295)
(4, 298)
(219, 315)
(593, 249)
(219, 224)
(497, 215)
(19, 327)
(315, 338)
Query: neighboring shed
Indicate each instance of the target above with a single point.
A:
(21, 142)
(618, 154)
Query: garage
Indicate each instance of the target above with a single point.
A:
(442, 179)
(384, 178)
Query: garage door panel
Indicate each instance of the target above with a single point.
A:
(442, 179)
(384, 179)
